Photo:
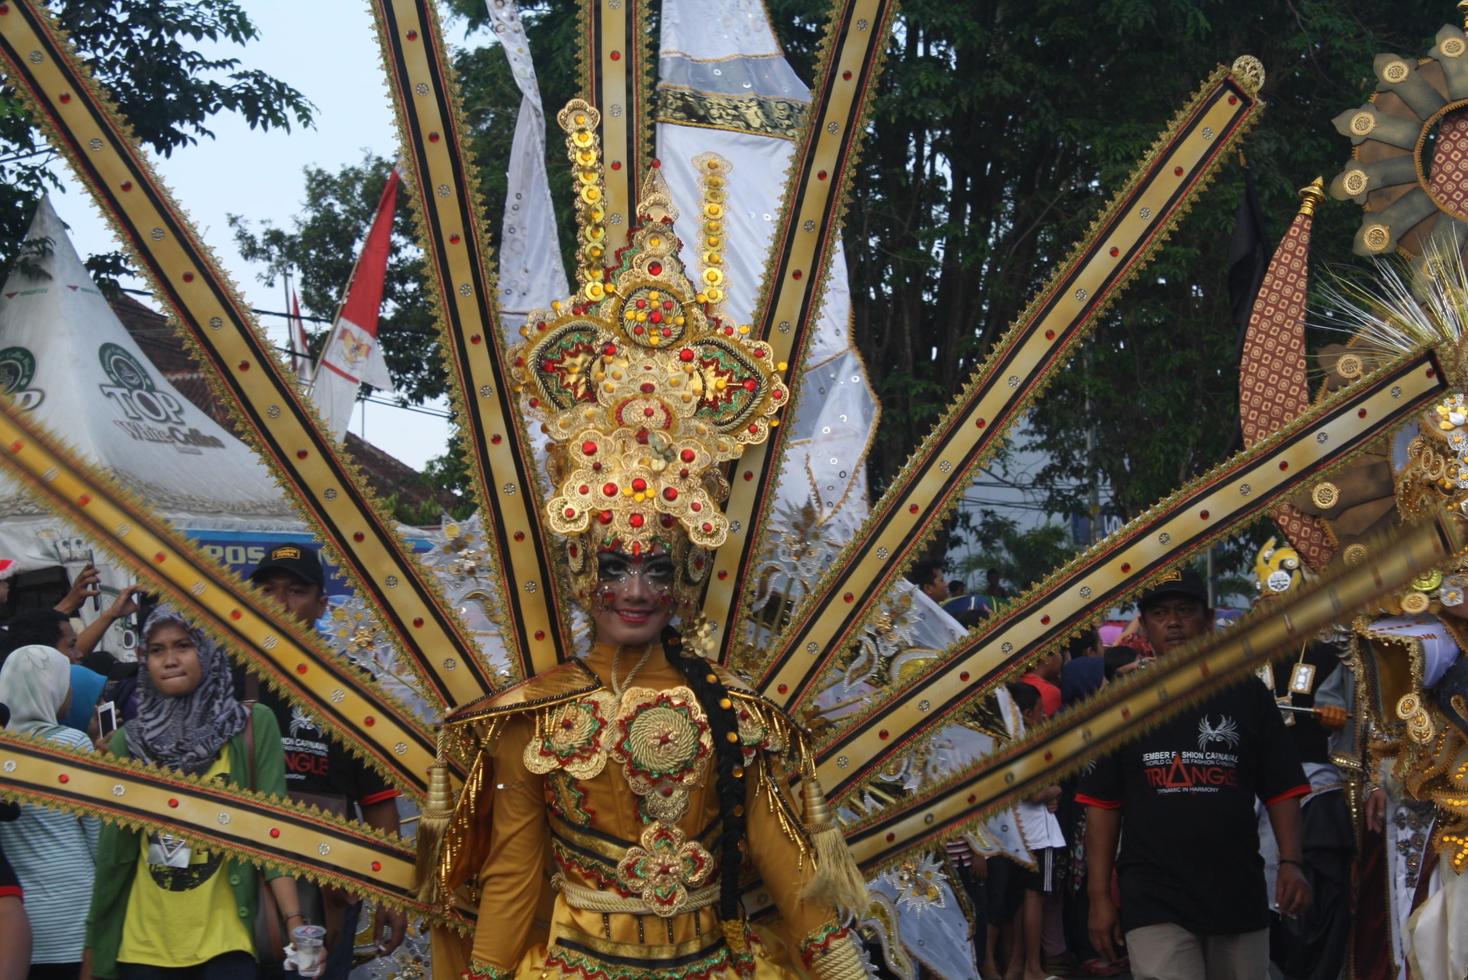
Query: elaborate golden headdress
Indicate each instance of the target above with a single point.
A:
(644, 386)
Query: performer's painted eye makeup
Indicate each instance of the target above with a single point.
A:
(616, 571)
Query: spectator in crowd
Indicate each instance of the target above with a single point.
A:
(162, 907)
(52, 852)
(321, 771)
(1080, 678)
(928, 576)
(1193, 896)
(15, 928)
(1044, 677)
(969, 609)
(1042, 836)
(956, 588)
(52, 628)
(1085, 644)
(7, 573)
(993, 588)
(1119, 661)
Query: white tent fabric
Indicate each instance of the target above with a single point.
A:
(67, 359)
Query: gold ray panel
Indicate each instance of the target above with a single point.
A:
(268, 411)
(450, 230)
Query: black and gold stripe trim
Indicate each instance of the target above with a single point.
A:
(616, 76)
(298, 840)
(293, 661)
(1124, 711)
(244, 371)
(1109, 573)
(501, 458)
(1119, 244)
(804, 242)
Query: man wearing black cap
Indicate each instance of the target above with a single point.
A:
(1193, 894)
(317, 769)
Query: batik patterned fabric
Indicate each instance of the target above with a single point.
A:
(1273, 389)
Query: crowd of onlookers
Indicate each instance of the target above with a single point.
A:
(82, 898)
(1149, 863)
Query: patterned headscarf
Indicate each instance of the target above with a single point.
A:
(185, 733)
(34, 682)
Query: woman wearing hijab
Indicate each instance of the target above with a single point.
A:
(162, 908)
(51, 851)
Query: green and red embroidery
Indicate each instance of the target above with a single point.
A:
(566, 799)
(819, 943)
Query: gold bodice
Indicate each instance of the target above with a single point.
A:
(604, 827)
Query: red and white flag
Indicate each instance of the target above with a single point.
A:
(351, 357)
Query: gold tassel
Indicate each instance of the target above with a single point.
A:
(734, 935)
(438, 811)
(836, 880)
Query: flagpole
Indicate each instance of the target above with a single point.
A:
(290, 326)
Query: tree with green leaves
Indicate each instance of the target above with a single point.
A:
(1000, 129)
(146, 54)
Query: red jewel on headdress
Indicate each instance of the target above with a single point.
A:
(641, 304)
(750, 384)
(648, 387)
(636, 520)
(639, 485)
(695, 506)
(610, 489)
(570, 512)
(605, 517)
(670, 493)
(609, 350)
(686, 355)
(656, 316)
(688, 455)
(656, 268)
(589, 448)
(708, 528)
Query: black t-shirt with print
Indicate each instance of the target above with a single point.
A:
(318, 765)
(1186, 790)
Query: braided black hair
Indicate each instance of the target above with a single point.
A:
(714, 698)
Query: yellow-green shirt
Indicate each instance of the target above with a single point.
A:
(181, 911)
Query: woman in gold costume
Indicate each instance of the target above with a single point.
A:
(617, 806)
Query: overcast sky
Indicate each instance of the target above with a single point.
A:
(259, 175)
